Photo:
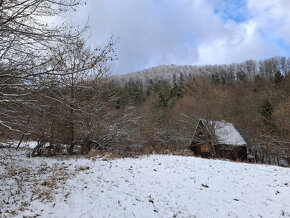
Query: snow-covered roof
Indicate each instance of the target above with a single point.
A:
(227, 134)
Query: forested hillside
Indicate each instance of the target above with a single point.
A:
(56, 89)
(252, 95)
(155, 110)
(225, 73)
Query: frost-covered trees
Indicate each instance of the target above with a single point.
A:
(26, 42)
(246, 70)
(78, 63)
(249, 95)
(52, 85)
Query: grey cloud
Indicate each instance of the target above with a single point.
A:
(152, 32)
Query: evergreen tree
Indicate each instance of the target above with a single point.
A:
(278, 77)
(266, 109)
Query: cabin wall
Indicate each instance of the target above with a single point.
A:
(222, 151)
(231, 152)
(201, 150)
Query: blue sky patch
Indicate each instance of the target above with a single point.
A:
(235, 10)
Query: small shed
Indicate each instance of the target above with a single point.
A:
(218, 139)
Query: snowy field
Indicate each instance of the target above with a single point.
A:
(148, 186)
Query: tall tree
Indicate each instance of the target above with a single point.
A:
(27, 40)
(78, 63)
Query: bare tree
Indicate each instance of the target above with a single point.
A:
(78, 63)
(26, 42)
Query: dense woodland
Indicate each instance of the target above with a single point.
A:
(57, 90)
(252, 95)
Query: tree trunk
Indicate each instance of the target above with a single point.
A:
(72, 132)
(71, 118)
(20, 141)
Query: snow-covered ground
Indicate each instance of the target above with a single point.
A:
(148, 186)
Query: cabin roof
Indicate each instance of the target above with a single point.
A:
(226, 133)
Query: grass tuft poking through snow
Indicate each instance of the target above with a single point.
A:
(148, 186)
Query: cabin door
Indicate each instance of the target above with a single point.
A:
(204, 149)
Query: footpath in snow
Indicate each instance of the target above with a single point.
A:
(148, 186)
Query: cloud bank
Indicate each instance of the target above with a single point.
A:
(156, 32)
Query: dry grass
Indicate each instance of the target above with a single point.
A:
(46, 195)
(145, 150)
(95, 154)
(51, 183)
(17, 171)
(82, 168)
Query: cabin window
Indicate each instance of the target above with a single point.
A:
(204, 148)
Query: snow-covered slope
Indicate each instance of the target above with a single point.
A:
(163, 186)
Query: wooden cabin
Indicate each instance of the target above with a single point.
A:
(218, 139)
